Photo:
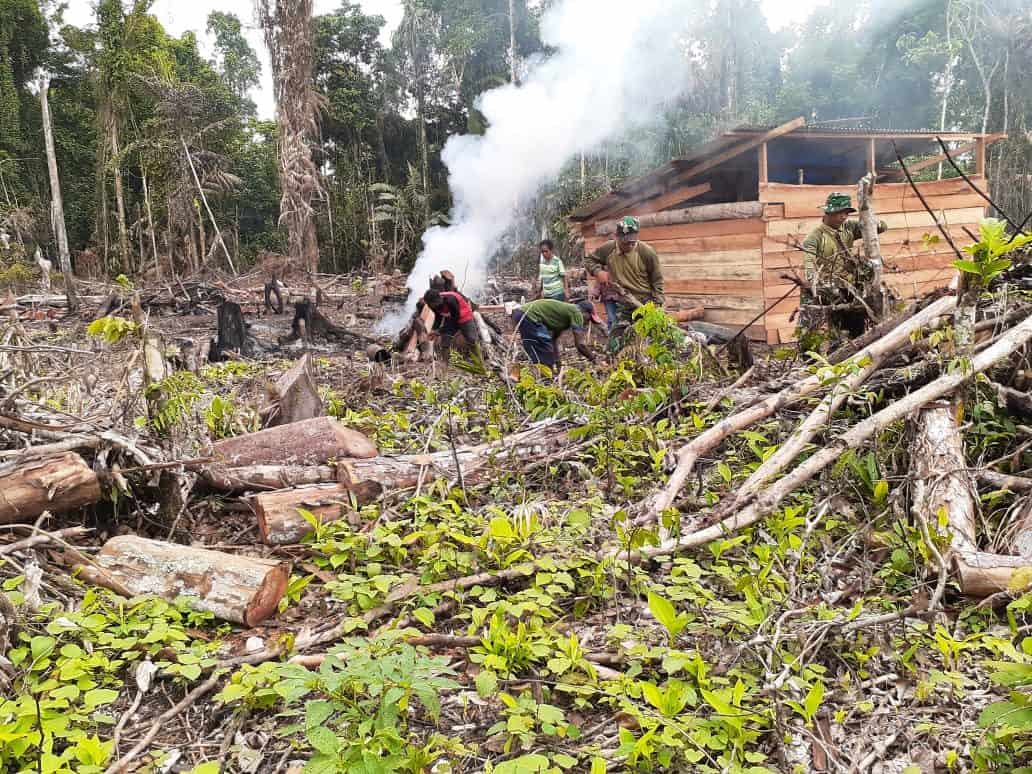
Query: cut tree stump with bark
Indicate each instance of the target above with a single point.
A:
(235, 588)
(279, 521)
(309, 323)
(309, 442)
(57, 484)
(294, 397)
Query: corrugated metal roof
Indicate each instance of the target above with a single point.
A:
(912, 142)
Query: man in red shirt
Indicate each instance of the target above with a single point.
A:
(453, 314)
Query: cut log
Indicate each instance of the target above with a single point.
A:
(310, 442)
(279, 521)
(700, 214)
(56, 484)
(235, 588)
(368, 478)
(688, 315)
(250, 478)
(295, 397)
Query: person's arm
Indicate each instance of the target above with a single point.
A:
(812, 249)
(581, 342)
(566, 279)
(655, 274)
(597, 263)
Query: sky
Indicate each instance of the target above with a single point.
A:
(179, 16)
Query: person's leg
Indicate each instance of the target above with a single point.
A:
(537, 342)
(471, 333)
(612, 314)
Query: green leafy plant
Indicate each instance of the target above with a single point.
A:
(111, 329)
(989, 254)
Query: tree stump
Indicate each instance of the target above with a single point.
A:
(56, 484)
(235, 588)
(232, 340)
(294, 397)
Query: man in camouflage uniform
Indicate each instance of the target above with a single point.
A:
(835, 274)
(629, 275)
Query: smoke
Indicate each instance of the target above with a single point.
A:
(615, 64)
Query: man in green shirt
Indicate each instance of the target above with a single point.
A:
(540, 324)
(835, 274)
(552, 282)
(626, 269)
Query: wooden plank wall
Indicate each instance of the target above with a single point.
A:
(717, 265)
(913, 265)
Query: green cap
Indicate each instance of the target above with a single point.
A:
(838, 202)
(627, 225)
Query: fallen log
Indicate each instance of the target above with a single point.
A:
(310, 442)
(368, 478)
(56, 484)
(294, 397)
(240, 589)
(942, 483)
(279, 520)
(250, 478)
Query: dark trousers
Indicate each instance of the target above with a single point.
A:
(537, 341)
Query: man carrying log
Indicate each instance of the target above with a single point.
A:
(453, 313)
(629, 275)
(837, 279)
(541, 323)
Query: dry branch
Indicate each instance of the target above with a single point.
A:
(714, 436)
(769, 499)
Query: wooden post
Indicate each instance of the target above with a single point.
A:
(980, 157)
(64, 259)
(763, 163)
(872, 159)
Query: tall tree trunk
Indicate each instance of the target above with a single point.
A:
(287, 25)
(123, 231)
(513, 69)
(150, 226)
(64, 259)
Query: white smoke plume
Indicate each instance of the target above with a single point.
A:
(615, 64)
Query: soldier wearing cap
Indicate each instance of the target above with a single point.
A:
(626, 267)
(834, 273)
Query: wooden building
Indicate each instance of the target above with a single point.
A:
(728, 219)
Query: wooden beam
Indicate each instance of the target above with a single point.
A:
(812, 135)
(740, 148)
(941, 157)
(675, 196)
(872, 164)
(701, 214)
(763, 163)
(980, 157)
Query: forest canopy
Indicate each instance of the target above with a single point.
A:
(135, 107)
